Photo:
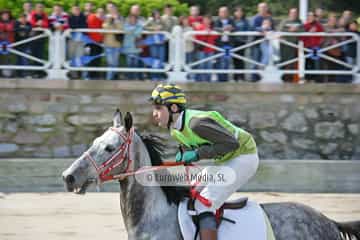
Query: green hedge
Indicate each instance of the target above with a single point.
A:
(278, 7)
(124, 5)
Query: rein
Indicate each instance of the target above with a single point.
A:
(122, 154)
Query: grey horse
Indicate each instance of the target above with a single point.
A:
(150, 212)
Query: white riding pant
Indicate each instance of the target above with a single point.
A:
(245, 166)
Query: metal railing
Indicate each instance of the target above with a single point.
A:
(176, 67)
(10, 48)
(150, 65)
(274, 68)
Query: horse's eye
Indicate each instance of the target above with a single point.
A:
(109, 148)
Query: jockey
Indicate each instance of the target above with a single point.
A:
(206, 135)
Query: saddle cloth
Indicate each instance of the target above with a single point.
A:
(251, 223)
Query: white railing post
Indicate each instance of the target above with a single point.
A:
(176, 55)
(271, 73)
(357, 60)
(303, 7)
(302, 60)
(57, 57)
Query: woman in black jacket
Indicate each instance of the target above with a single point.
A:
(22, 31)
(75, 45)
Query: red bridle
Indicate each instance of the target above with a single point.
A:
(120, 155)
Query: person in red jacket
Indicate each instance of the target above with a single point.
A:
(205, 51)
(38, 19)
(312, 25)
(195, 19)
(6, 37)
(6, 27)
(95, 21)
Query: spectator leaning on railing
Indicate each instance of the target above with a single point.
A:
(38, 19)
(320, 15)
(132, 29)
(348, 16)
(110, 6)
(241, 24)
(194, 17)
(168, 18)
(351, 53)
(112, 44)
(58, 20)
(95, 21)
(135, 10)
(22, 32)
(225, 25)
(169, 21)
(263, 12)
(6, 36)
(27, 8)
(88, 9)
(190, 54)
(157, 48)
(312, 25)
(332, 27)
(205, 51)
(265, 47)
(292, 24)
(20, 26)
(6, 27)
(113, 11)
(77, 20)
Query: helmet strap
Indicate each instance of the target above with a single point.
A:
(171, 113)
(171, 119)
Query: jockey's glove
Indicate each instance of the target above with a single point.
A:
(187, 156)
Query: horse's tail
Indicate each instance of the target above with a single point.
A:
(349, 230)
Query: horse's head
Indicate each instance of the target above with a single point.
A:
(108, 156)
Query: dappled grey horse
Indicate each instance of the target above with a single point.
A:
(150, 212)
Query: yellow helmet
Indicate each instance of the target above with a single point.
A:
(165, 94)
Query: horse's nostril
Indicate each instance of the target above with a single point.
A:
(70, 180)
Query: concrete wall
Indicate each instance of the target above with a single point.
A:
(61, 118)
(44, 175)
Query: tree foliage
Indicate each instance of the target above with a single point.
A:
(124, 5)
(278, 7)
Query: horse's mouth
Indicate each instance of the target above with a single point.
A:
(82, 189)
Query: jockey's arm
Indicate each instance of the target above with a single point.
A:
(222, 141)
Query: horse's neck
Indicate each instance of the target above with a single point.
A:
(145, 209)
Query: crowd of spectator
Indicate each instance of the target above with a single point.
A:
(129, 48)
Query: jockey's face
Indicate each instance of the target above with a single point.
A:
(161, 115)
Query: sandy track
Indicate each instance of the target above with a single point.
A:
(56, 216)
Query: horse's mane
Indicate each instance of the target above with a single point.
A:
(155, 148)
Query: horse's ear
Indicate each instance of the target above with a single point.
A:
(117, 120)
(128, 121)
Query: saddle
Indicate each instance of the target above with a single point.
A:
(219, 215)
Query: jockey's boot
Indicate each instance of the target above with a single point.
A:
(207, 226)
(208, 234)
